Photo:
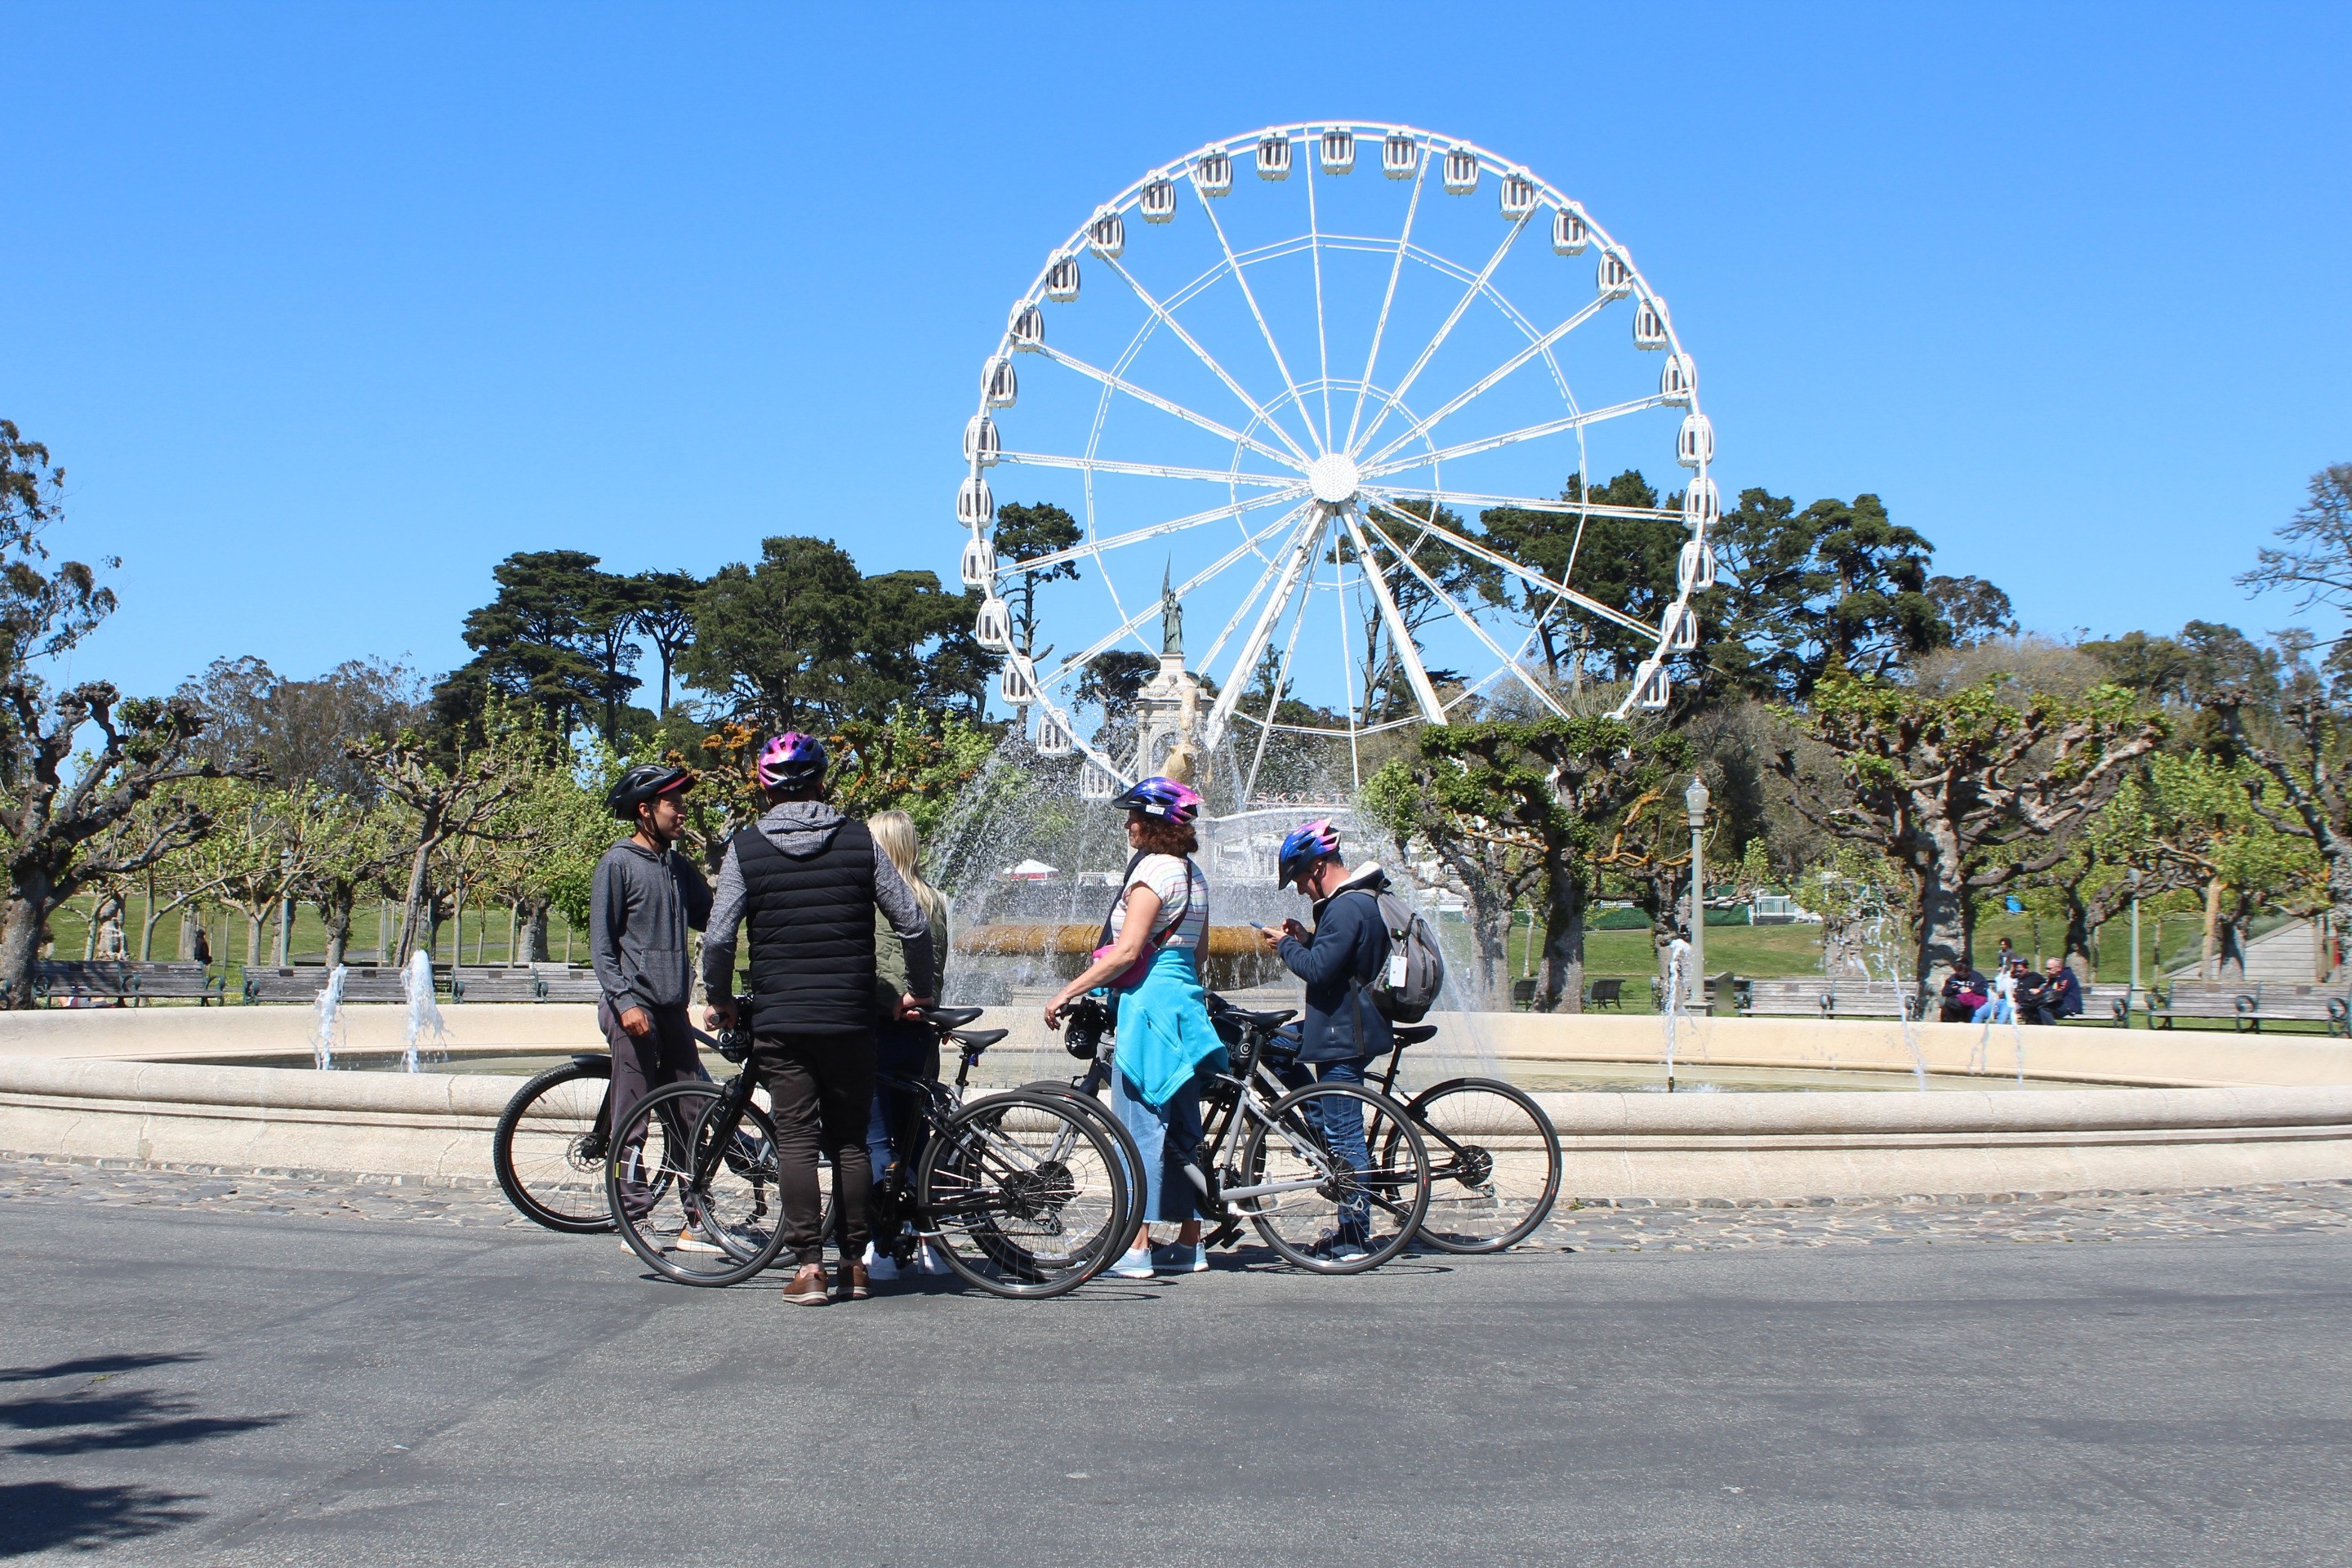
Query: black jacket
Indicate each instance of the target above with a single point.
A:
(1345, 952)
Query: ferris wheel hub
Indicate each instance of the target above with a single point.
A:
(1333, 479)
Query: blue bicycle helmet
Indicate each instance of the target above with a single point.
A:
(1162, 797)
(1318, 840)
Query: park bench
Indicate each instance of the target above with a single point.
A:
(2276, 1004)
(1718, 987)
(120, 980)
(1872, 999)
(304, 982)
(1805, 999)
(567, 982)
(2197, 999)
(501, 983)
(2107, 1005)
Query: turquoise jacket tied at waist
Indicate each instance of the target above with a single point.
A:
(1164, 1033)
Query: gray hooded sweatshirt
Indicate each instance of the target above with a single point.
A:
(801, 828)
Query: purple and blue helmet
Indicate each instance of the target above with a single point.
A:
(1318, 840)
(790, 758)
(1162, 797)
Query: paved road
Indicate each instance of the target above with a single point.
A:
(237, 1388)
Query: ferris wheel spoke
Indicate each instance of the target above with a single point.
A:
(1408, 653)
(1489, 381)
(1152, 470)
(1509, 661)
(1477, 286)
(1477, 552)
(1273, 700)
(1241, 613)
(1302, 555)
(1166, 406)
(1512, 437)
(1152, 530)
(1552, 504)
(1388, 300)
(1162, 313)
(1289, 383)
(1322, 339)
(1215, 569)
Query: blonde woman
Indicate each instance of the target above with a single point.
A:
(894, 1131)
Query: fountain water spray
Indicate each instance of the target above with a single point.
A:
(424, 1012)
(330, 1032)
(1677, 986)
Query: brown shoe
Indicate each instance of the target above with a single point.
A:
(849, 1284)
(808, 1288)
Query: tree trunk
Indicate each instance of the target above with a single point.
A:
(335, 914)
(192, 916)
(1944, 915)
(252, 940)
(29, 905)
(532, 946)
(412, 909)
(2207, 960)
(1563, 980)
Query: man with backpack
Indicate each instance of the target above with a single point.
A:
(1345, 962)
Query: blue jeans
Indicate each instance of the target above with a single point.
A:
(2000, 1010)
(1342, 1131)
(893, 1127)
(1166, 1137)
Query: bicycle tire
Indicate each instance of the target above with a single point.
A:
(1021, 1195)
(649, 1184)
(1483, 1195)
(1287, 1146)
(1137, 1182)
(559, 1179)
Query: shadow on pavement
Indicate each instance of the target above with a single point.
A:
(94, 1418)
(38, 1515)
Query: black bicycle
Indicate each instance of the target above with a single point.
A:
(1495, 1158)
(1280, 1157)
(1022, 1194)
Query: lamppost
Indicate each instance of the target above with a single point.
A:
(1695, 805)
(2133, 994)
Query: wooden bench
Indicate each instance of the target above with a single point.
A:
(2276, 1004)
(1786, 999)
(567, 982)
(1606, 994)
(2107, 1005)
(2195, 999)
(1872, 999)
(500, 984)
(304, 982)
(133, 981)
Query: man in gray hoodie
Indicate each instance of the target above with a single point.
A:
(645, 898)
(808, 881)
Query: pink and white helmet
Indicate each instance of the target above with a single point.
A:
(790, 758)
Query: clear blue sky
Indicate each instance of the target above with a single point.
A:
(327, 308)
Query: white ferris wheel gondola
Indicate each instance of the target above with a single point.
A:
(1362, 483)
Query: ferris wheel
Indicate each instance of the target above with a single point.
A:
(1372, 436)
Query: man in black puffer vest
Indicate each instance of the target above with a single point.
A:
(809, 880)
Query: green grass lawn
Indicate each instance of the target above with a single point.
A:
(484, 934)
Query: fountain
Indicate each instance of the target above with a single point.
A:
(331, 1021)
(424, 1012)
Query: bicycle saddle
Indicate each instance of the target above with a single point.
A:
(1267, 1021)
(950, 1017)
(977, 1040)
(1413, 1034)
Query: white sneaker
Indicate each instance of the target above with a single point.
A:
(1176, 1257)
(690, 1240)
(929, 1262)
(1135, 1265)
(879, 1264)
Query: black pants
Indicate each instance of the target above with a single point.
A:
(821, 1092)
(642, 1066)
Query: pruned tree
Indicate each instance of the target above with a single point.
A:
(1554, 790)
(76, 766)
(1966, 792)
(1492, 873)
(445, 803)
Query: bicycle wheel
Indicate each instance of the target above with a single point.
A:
(1494, 1163)
(549, 1149)
(1310, 1202)
(1022, 1194)
(718, 1229)
(1137, 1183)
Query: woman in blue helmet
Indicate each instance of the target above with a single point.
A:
(1156, 934)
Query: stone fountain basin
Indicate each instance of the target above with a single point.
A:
(2112, 1108)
